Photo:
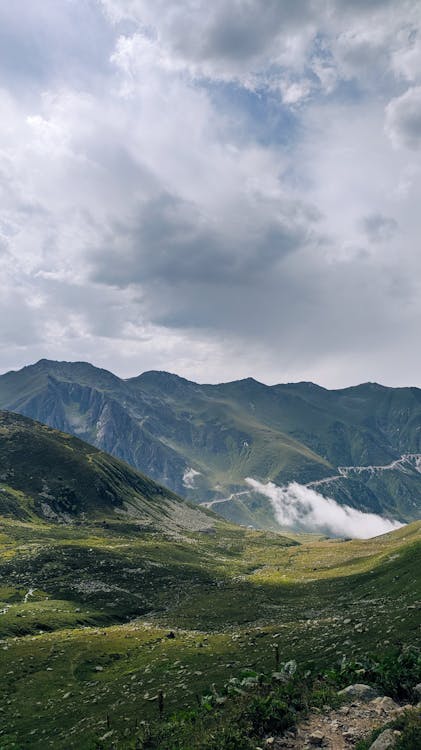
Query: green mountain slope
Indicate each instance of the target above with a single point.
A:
(47, 475)
(202, 441)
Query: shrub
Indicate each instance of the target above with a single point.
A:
(395, 674)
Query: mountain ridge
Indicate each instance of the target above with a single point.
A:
(49, 363)
(203, 440)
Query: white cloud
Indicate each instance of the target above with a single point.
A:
(301, 508)
(189, 477)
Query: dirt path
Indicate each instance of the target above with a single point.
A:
(339, 729)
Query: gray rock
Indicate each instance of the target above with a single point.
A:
(385, 741)
(359, 691)
(417, 690)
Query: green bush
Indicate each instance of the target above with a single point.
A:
(395, 674)
(230, 738)
(410, 726)
(268, 714)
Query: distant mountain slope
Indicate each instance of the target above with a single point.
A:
(204, 440)
(48, 475)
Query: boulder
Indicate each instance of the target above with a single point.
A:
(385, 741)
(359, 692)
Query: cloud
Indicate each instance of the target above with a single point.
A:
(225, 41)
(303, 509)
(209, 188)
(379, 228)
(189, 477)
(403, 119)
(176, 243)
(261, 46)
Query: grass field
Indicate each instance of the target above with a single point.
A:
(96, 620)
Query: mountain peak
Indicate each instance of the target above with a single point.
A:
(161, 381)
(308, 384)
(81, 371)
(243, 383)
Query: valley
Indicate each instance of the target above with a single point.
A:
(114, 596)
(117, 614)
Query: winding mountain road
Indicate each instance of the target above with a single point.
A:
(405, 463)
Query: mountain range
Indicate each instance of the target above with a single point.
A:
(359, 445)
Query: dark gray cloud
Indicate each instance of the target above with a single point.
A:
(403, 122)
(240, 30)
(172, 242)
(379, 228)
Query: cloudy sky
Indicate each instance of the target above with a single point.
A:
(219, 189)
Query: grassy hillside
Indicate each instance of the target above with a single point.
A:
(98, 618)
(204, 440)
(47, 475)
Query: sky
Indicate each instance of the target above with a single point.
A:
(219, 189)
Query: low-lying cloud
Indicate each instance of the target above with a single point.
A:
(304, 509)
